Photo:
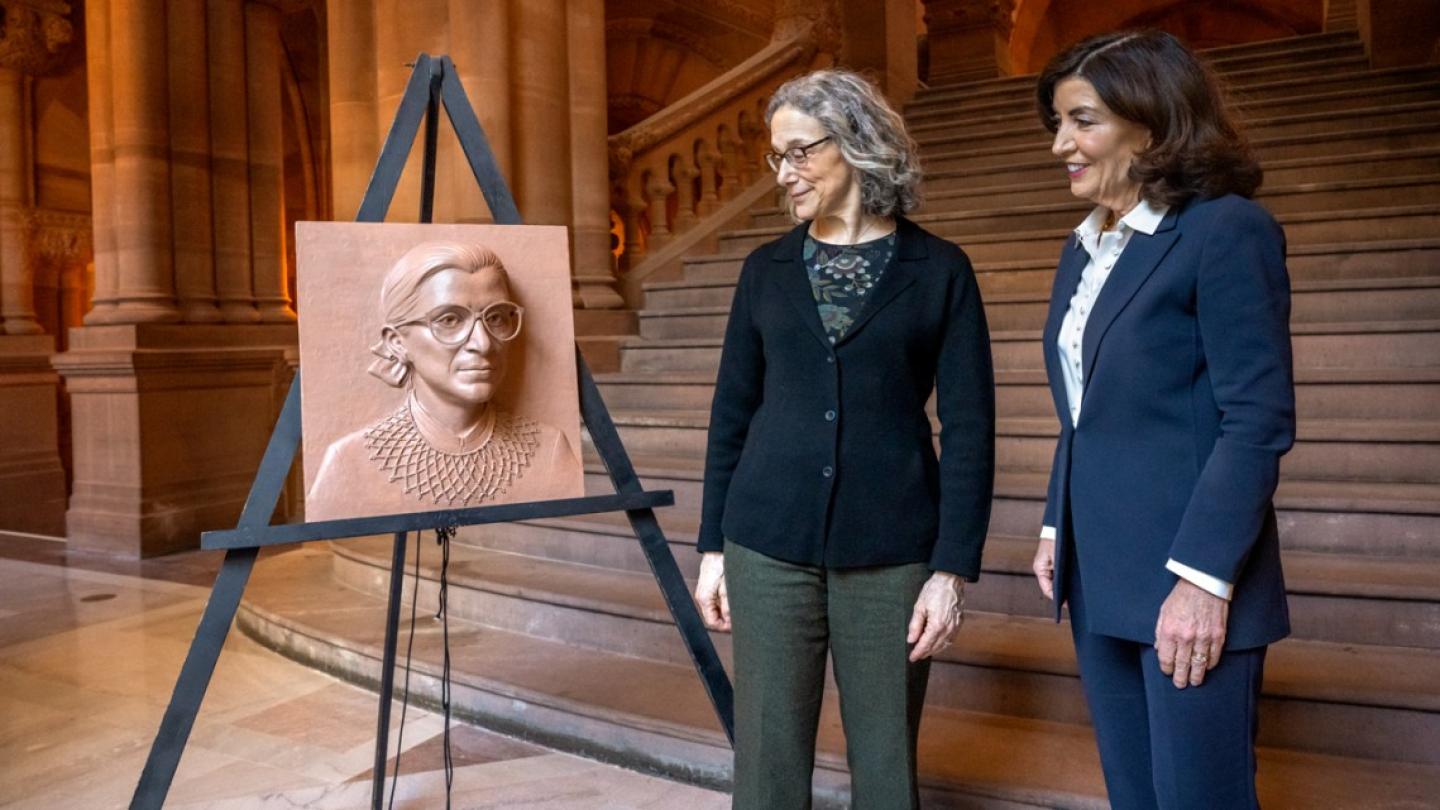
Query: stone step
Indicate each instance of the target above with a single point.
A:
(1325, 393)
(1302, 98)
(1259, 90)
(1350, 345)
(1062, 209)
(604, 705)
(1395, 258)
(622, 613)
(1296, 49)
(1361, 137)
(1311, 302)
(1011, 131)
(1358, 450)
(1343, 598)
(1335, 517)
(1026, 181)
(1012, 244)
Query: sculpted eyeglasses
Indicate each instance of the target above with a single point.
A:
(796, 156)
(452, 325)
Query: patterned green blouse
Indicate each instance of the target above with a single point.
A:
(842, 275)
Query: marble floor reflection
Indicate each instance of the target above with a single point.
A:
(89, 651)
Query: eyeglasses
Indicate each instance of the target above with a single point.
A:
(796, 156)
(453, 325)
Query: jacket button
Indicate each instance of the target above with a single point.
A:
(829, 416)
(830, 358)
(827, 471)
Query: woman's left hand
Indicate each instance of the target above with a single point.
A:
(939, 612)
(1190, 633)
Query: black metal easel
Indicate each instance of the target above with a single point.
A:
(433, 83)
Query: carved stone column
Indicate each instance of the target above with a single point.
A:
(589, 158)
(230, 160)
(540, 84)
(969, 39)
(480, 48)
(33, 38)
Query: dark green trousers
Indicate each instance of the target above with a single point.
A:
(784, 619)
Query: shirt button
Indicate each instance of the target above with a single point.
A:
(827, 471)
(829, 416)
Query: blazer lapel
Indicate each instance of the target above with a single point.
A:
(794, 281)
(909, 252)
(1140, 258)
(1067, 280)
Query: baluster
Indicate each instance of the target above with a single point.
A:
(683, 170)
(750, 136)
(708, 159)
(635, 241)
(729, 164)
(658, 189)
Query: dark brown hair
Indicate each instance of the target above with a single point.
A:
(1149, 78)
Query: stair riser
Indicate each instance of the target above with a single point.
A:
(690, 297)
(644, 638)
(1416, 462)
(1360, 228)
(657, 396)
(620, 553)
(1071, 211)
(1341, 143)
(1358, 263)
(1307, 306)
(1319, 63)
(1051, 172)
(1328, 62)
(1412, 349)
(1005, 133)
(957, 123)
(688, 493)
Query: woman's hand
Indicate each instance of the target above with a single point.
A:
(710, 592)
(1190, 633)
(1044, 567)
(939, 612)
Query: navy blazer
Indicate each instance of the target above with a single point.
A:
(823, 455)
(1188, 405)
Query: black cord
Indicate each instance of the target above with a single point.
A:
(409, 649)
(443, 537)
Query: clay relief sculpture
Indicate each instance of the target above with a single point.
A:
(449, 328)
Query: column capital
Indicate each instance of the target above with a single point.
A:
(791, 16)
(34, 34)
(943, 16)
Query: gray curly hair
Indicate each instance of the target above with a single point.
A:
(870, 133)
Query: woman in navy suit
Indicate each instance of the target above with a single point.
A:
(1167, 349)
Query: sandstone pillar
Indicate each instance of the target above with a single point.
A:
(880, 39)
(1399, 32)
(541, 97)
(480, 48)
(589, 159)
(139, 79)
(354, 142)
(969, 39)
(32, 480)
(190, 192)
(169, 420)
(263, 60)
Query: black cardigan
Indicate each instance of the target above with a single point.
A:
(824, 455)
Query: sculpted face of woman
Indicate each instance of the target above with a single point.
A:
(1097, 146)
(467, 368)
(824, 185)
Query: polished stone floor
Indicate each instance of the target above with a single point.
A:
(89, 651)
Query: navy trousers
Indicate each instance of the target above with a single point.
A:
(1164, 748)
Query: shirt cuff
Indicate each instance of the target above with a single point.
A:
(1047, 532)
(1200, 579)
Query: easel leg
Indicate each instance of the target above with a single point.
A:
(387, 669)
(194, 678)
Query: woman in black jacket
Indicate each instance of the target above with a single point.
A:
(828, 522)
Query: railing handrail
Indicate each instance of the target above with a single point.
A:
(716, 93)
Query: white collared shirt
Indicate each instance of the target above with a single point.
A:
(1104, 248)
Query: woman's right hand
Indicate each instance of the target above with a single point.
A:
(710, 592)
(1044, 567)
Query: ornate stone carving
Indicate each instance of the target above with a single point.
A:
(62, 237)
(690, 40)
(822, 17)
(34, 34)
(943, 16)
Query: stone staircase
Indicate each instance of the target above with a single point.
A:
(559, 631)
